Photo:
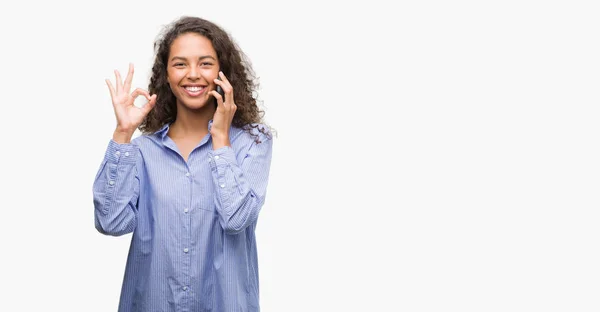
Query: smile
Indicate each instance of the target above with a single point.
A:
(194, 90)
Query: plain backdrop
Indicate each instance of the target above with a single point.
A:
(431, 155)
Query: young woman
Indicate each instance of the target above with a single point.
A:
(191, 187)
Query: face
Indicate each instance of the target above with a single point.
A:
(191, 69)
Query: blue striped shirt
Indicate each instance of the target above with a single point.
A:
(193, 246)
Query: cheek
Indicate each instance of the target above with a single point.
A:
(172, 77)
(172, 82)
(210, 74)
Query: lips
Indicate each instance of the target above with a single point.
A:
(193, 91)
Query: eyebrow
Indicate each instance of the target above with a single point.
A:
(200, 58)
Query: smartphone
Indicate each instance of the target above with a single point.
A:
(220, 91)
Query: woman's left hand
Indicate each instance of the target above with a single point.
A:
(224, 113)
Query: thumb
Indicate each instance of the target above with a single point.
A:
(150, 105)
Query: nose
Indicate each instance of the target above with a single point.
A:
(193, 73)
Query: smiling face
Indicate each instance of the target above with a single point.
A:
(191, 69)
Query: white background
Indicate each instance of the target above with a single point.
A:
(431, 156)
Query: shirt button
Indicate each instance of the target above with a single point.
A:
(118, 153)
(185, 288)
(187, 174)
(185, 250)
(222, 185)
(186, 210)
(126, 154)
(217, 157)
(111, 182)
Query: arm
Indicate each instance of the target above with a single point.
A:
(116, 187)
(240, 188)
(116, 190)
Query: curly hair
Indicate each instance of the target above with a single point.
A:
(232, 62)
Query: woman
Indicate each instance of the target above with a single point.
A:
(191, 187)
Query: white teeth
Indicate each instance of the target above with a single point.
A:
(193, 89)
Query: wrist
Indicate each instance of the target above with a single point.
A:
(122, 136)
(219, 142)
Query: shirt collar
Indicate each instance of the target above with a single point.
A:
(162, 132)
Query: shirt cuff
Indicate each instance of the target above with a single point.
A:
(221, 157)
(121, 153)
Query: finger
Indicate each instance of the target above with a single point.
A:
(111, 89)
(217, 96)
(150, 105)
(222, 76)
(225, 83)
(119, 82)
(137, 92)
(218, 81)
(128, 79)
(227, 88)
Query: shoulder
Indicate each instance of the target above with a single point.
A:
(251, 136)
(145, 141)
(255, 132)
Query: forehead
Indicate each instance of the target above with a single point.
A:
(191, 45)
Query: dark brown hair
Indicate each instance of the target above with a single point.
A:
(232, 62)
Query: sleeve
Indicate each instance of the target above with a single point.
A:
(116, 190)
(240, 187)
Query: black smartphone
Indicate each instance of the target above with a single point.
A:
(220, 91)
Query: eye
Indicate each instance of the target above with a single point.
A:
(205, 64)
(178, 64)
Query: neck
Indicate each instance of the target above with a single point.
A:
(191, 123)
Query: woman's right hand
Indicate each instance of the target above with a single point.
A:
(129, 116)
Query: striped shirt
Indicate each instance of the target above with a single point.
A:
(193, 246)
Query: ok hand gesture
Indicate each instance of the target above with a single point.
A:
(129, 116)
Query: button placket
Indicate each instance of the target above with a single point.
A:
(187, 230)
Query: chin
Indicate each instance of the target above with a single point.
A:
(194, 102)
(196, 105)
